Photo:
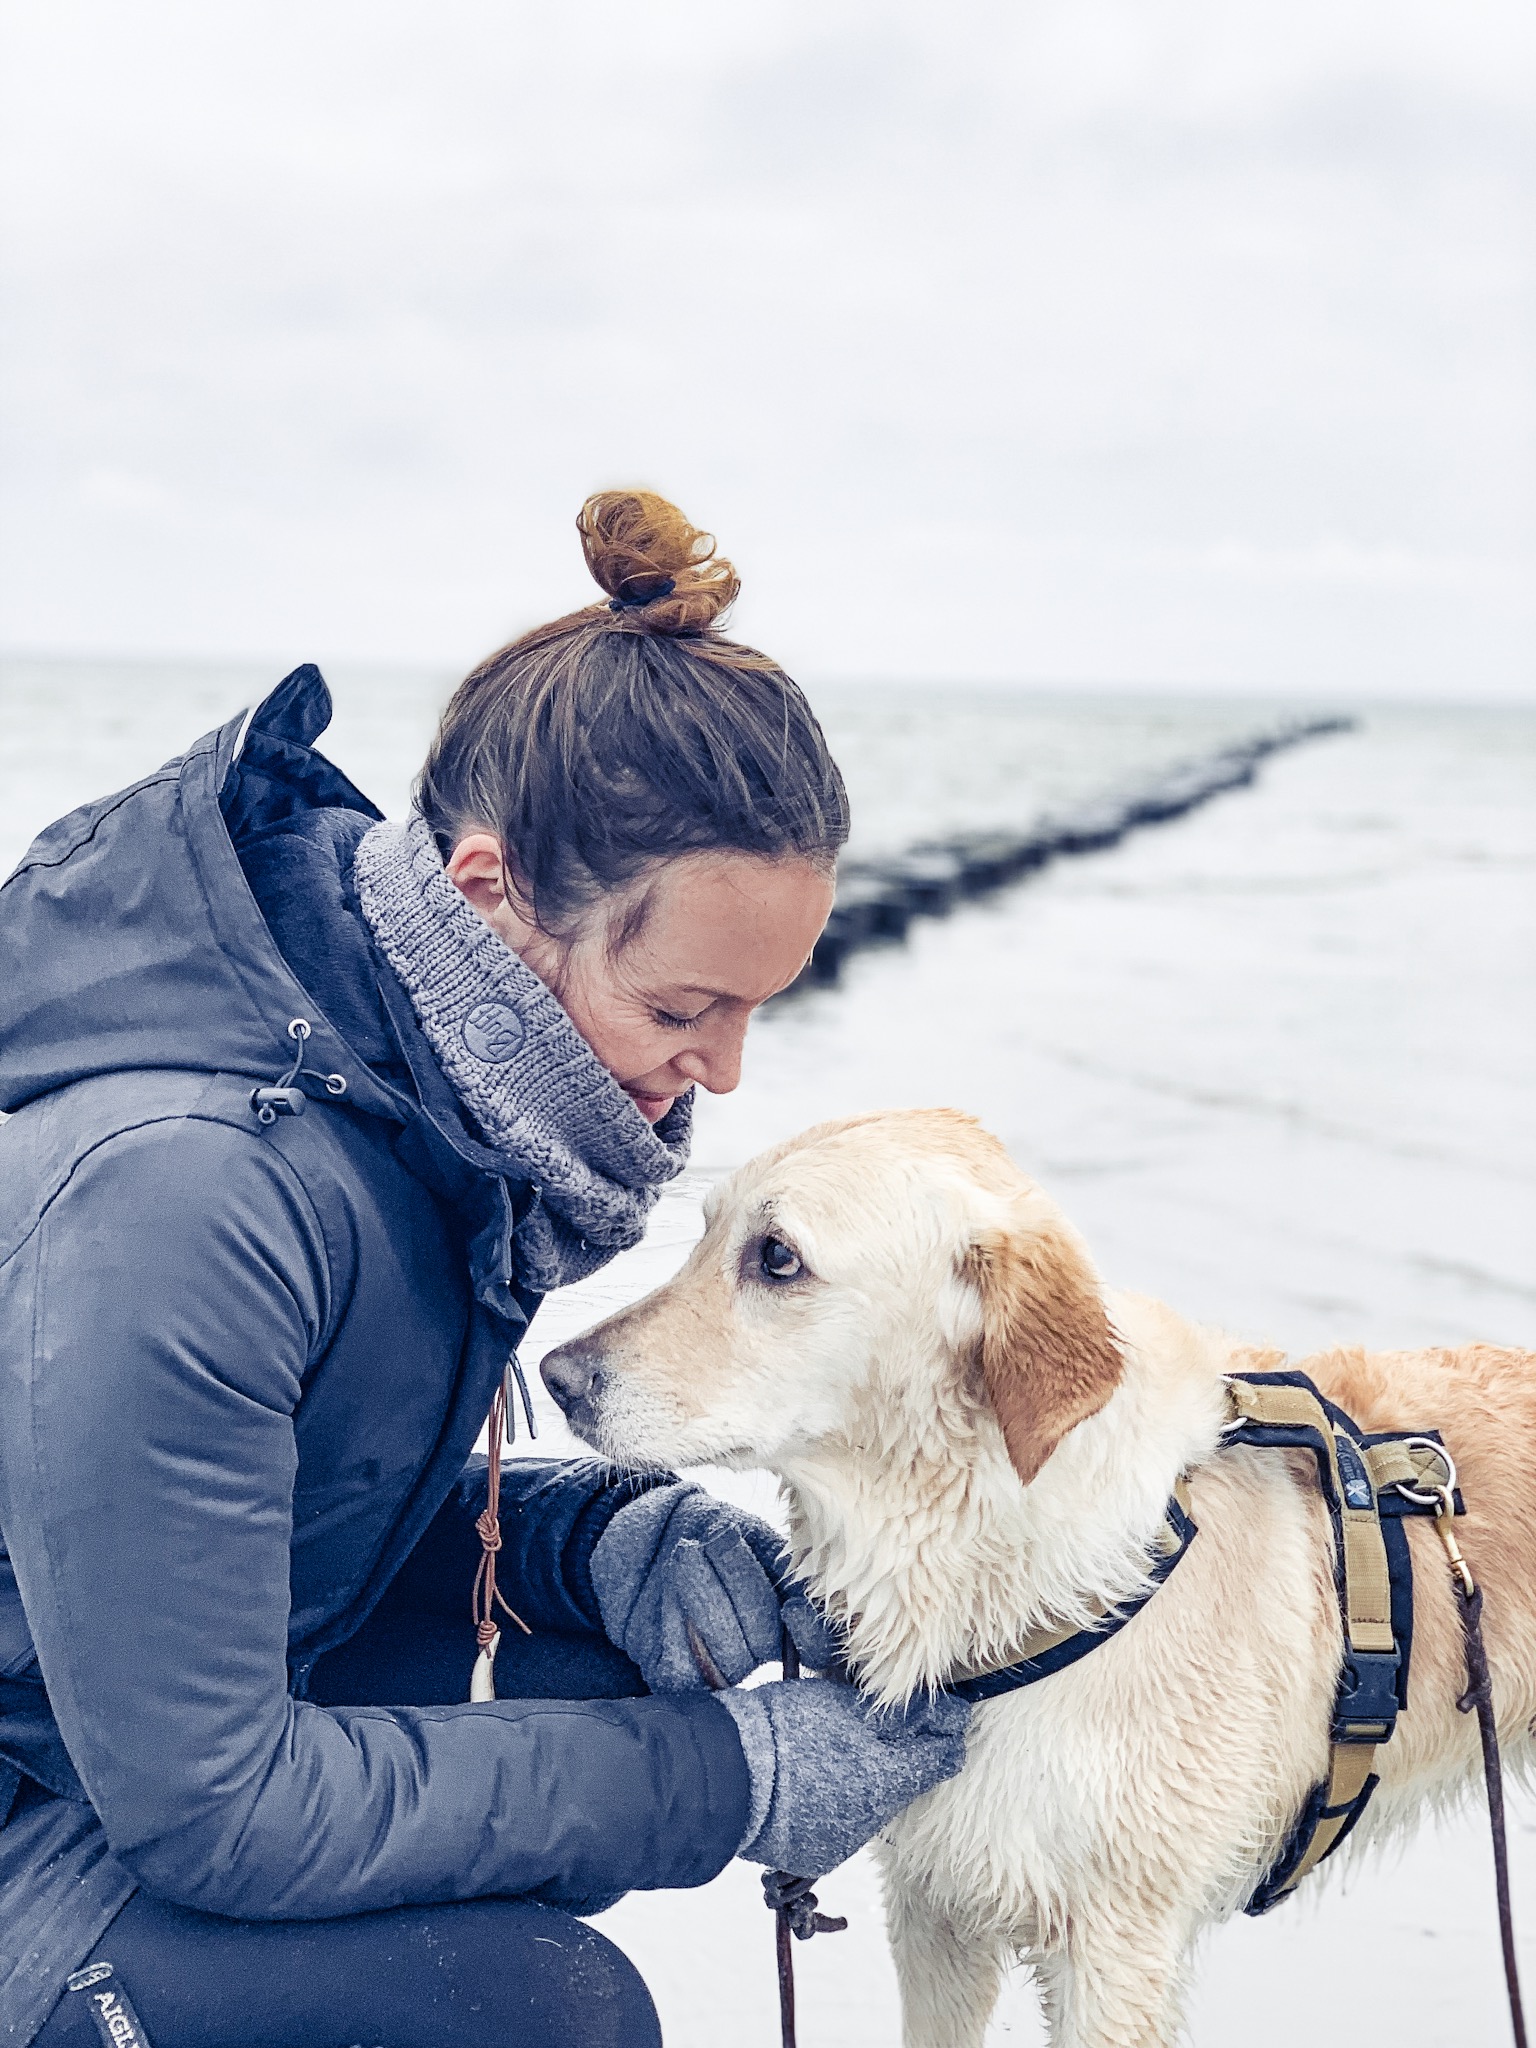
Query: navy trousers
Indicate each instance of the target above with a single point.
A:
(500, 1973)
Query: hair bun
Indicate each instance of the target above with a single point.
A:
(654, 563)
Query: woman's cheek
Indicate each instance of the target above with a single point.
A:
(630, 1047)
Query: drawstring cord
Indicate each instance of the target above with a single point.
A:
(284, 1097)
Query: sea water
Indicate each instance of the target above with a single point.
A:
(1274, 1059)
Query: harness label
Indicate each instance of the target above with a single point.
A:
(1356, 1481)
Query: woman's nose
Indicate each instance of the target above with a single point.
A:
(715, 1062)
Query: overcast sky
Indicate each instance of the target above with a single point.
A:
(1146, 341)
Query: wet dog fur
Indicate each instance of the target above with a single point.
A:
(976, 1438)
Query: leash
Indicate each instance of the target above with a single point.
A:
(792, 1901)
(789, 1898)
(1478, 1698)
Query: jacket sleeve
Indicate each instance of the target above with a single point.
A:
(154, 1332)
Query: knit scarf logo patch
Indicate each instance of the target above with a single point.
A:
(493, 1032)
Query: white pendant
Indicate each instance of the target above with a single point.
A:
(482, 1682)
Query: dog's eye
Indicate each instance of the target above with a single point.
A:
(778, 1260)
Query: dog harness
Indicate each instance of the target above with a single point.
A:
(1369, 1484)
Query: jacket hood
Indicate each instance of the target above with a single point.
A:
(130, 938)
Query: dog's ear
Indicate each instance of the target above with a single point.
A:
(1048, 1352)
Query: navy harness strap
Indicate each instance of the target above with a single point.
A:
(989, 1685)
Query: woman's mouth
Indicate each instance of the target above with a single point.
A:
(652, 1107)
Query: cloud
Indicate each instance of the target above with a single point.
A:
(1068, 339)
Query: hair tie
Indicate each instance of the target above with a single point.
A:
(663, 589)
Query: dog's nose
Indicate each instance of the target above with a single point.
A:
(572, 1372)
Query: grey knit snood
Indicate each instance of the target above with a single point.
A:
(539, 1095)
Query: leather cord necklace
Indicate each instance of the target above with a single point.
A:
(486, 1597)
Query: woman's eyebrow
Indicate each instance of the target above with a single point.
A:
(697, 988)
(721, 995)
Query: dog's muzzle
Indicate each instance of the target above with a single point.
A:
(574, 1376)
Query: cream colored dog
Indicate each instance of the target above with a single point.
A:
(977, 1439)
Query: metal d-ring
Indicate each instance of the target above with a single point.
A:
(1417, 1494)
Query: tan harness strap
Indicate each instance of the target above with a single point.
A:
(1367, 1581)
(1035, 1644)
(1394, 1464)
(1169, 1543)
(1349, 1767)
(1415, 1461)
(1356, 1475)
(1368, 1589)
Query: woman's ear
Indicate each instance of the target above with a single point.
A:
(477, 869)
(480, 871)
(1049, 1355)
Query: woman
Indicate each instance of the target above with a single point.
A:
(308, 1111)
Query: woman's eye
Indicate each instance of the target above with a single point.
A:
(668, 1022)
(778, 1260)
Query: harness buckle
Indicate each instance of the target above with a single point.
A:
(1366, 1708)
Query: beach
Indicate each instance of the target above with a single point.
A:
(1274, 1059)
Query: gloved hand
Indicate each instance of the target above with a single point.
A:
(678, 1558)
(829, 1768)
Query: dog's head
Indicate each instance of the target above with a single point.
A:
(867, 1279)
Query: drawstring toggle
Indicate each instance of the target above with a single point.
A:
(283, 1097)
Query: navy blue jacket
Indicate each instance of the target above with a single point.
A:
(241, 1370)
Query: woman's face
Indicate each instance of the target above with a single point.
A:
(710, 936)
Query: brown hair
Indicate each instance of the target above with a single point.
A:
(632, 731)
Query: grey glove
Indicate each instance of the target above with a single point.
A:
(677, 1560)
(829, 1768)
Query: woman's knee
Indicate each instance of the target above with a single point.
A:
(576, 1987)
